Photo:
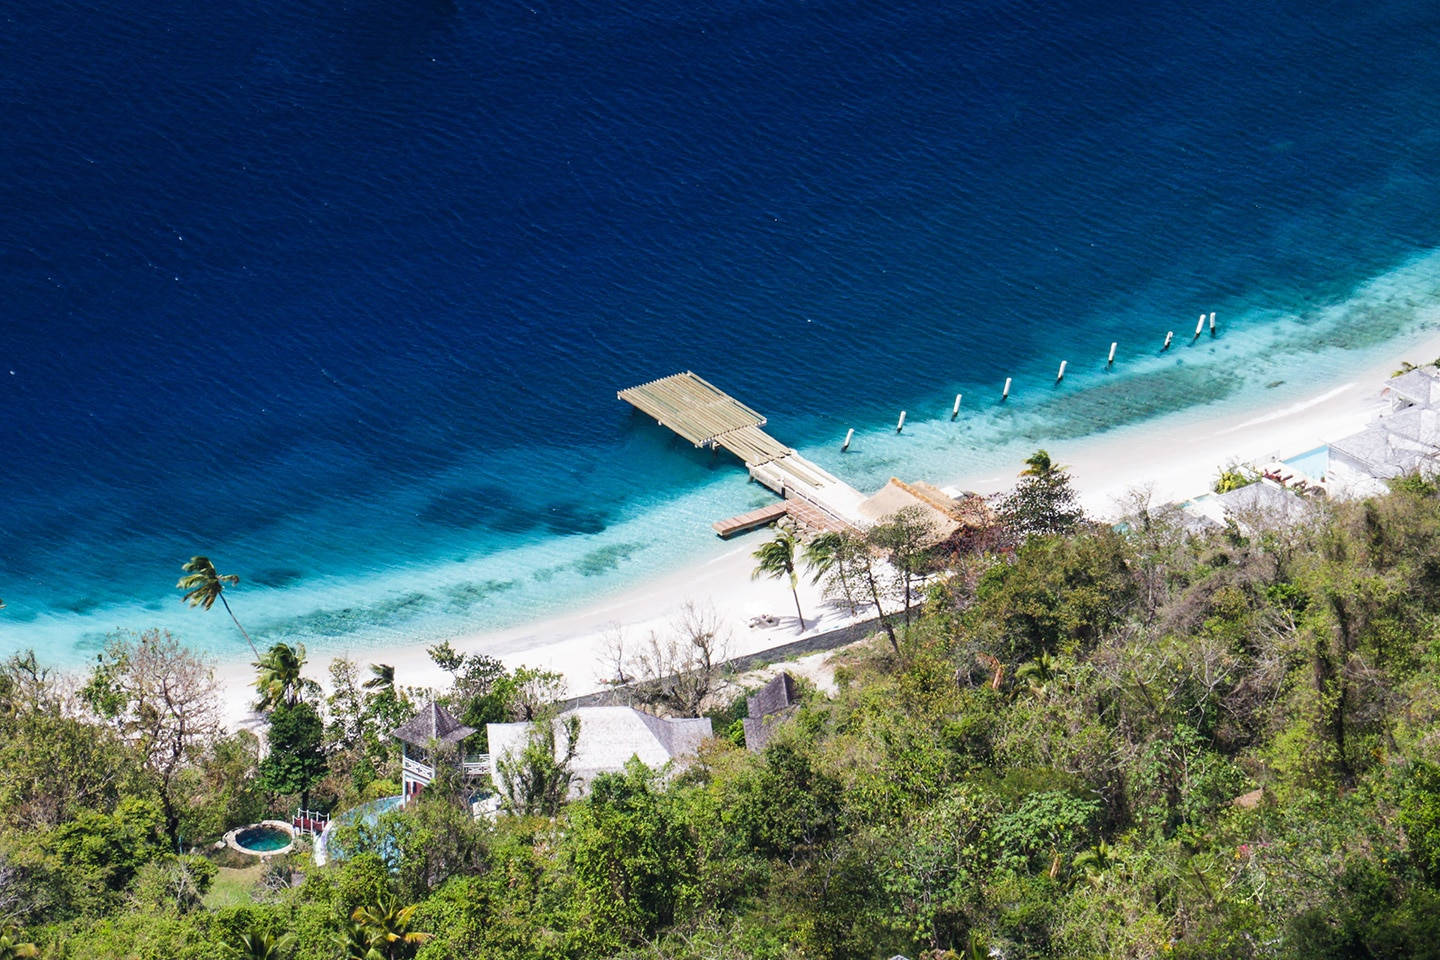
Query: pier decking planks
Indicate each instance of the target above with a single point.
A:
(692, 407)
(709, 417)
(751, 520)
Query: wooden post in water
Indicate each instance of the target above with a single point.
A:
(1005, 394)
(901, 425)
(956, 412)
(1169, 335)
(1061, 375)
(1111, 359)
(848, 434)
(1199, 325)
(1212, 324)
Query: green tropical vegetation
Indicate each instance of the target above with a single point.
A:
(1134, 741)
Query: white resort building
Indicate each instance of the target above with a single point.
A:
(608, 738)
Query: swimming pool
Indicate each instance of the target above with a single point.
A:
(1312, 463)
(367, 813)
(264, 839)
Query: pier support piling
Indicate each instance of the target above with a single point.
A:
(1212, 324)
(849, 434)
(1061, 375)
(956, 411)
(901, 425)
(1169, 335)
(1199, 326)
(1109, 361)
(1005, 394)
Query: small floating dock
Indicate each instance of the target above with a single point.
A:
(751, 520)
(707, 416)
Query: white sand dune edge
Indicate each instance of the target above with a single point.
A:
(1173, 457)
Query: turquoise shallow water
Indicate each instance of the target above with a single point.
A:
(342, 296)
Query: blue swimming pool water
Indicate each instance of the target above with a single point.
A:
(264, 839)
(369, 814)
(1312, 463)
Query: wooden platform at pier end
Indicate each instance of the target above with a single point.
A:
(709, 417)
(692, 407)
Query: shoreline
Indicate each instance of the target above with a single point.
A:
(1173, 457)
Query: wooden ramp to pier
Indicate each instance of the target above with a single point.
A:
(709, 417)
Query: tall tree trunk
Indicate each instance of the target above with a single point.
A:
(880, 610)
(1330, 682)
(237, 624)
(796, 594)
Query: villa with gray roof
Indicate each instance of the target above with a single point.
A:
(608, 738)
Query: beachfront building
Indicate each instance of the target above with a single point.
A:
(607, 739)
(773, 703)
(1407, 441)
(1417, 388)
(434, 736)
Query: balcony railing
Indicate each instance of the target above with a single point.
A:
(416, 770)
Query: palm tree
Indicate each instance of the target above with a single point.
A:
(279, 680)
(830, 553)
(354, 942)
(777, 559)
(10, 946)
(1039, 464)
(1039, 673)
(205, 586)
(382, 678)
(255, 944)
(1093, 863)
(822, 554)
(386, 926)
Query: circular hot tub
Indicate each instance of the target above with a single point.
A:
(268, 838)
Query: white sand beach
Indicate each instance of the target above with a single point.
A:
(1173, 458)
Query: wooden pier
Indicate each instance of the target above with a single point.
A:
(709, 417)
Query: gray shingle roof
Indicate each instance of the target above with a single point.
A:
(1393, 445)
(433, 722)
(1266, 498)
(609, 737)
(778, 694)
(1419, 386)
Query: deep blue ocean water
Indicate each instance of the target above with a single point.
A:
(340, 294)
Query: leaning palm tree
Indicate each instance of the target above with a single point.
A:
(255, 944)
(777, 559)
(382, 678)
(830, 555)
(279, 679)
(205, 586)
(1039, 464)
(387, 926)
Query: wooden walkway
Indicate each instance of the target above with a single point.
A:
(708, 417)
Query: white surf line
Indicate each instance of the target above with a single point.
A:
(1288, 411)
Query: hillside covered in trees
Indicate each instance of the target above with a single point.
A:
(1095, 741)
